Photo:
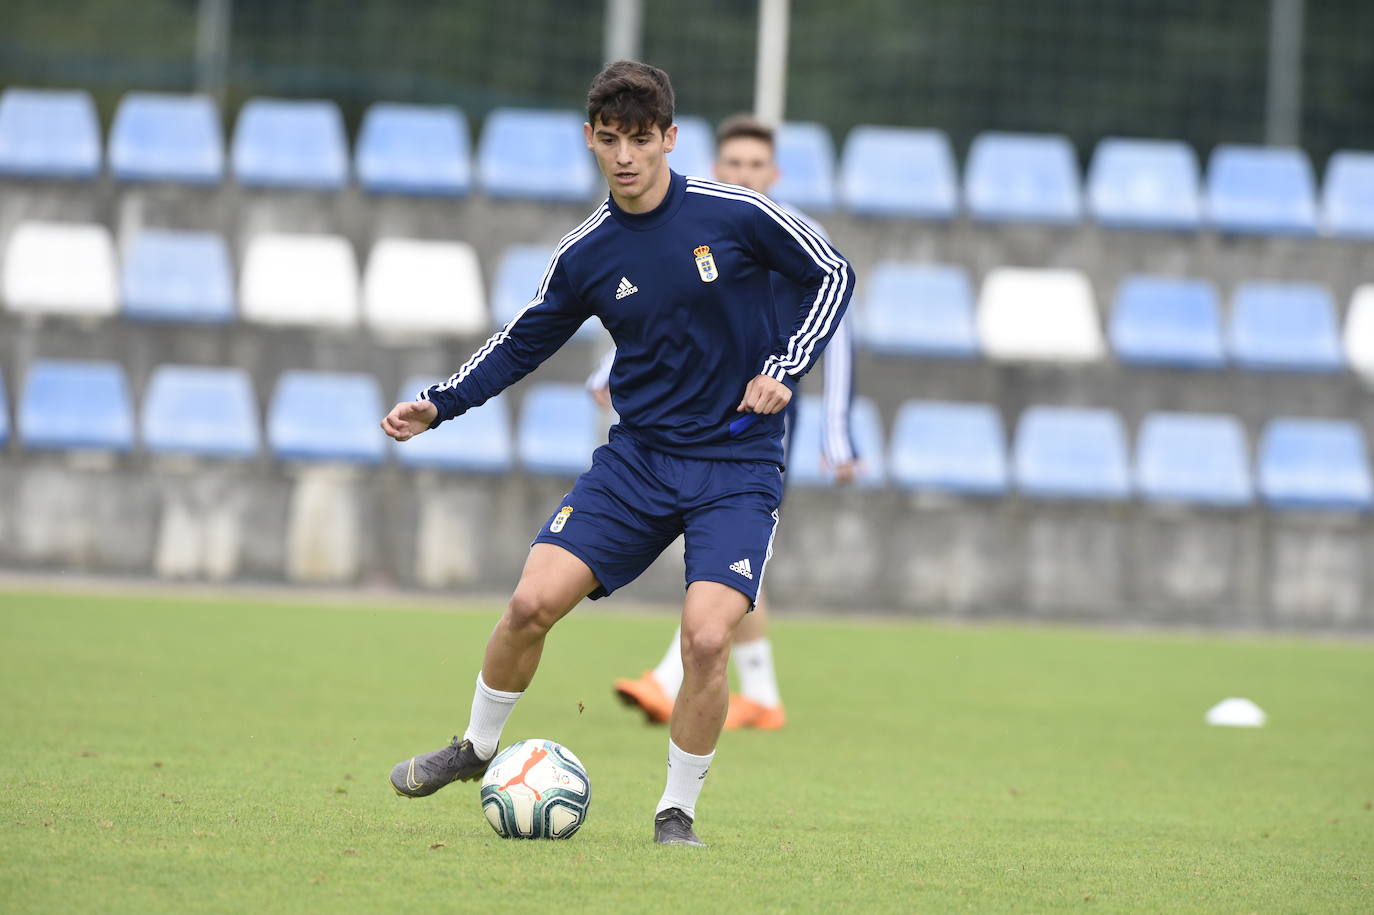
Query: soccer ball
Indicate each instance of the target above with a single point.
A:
(536, 789)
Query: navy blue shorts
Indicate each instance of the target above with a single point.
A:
(633, 502)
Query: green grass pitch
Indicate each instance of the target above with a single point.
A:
(179, 754)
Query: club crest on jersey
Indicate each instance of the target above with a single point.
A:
(560, 519)
(706, 264)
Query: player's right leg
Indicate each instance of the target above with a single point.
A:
(758, 704)
(552, 583)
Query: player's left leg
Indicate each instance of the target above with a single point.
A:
(709, 617)
(759, 702)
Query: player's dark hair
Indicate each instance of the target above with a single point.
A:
(743, 125)
(632, 95)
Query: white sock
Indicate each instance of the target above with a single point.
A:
(686, 775)
(757, 679)
(668, 673)
(490, 709)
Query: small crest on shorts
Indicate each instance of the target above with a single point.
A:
(706, 264)
(560, 519)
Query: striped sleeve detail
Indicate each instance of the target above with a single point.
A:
(586, 228)
(826, 306)
(837, 395)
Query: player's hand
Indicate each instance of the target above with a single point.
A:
(846, 473)
(602, 396)
(408, 419)
(764, 395)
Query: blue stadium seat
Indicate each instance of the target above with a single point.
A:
(951, 447)
(1348, 195)
(806, 165)
(326, 416)
(1256, 190)
(559, 430)
(1193, 457)
(805, 457)
(1012, 177)
(1071, 453)
(1284, 327)
(158, 137)
(695, 152)
(1145, 184)
(536, 155)
(479, 441)
(76, 405)
(1315, 463)
(48, 133)
(280, 143)
(918, 310)
(518, 277)
(206, 412)
(414, 149)
(899, 172)
(178, 276)
(1169, 321)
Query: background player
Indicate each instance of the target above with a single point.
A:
(746, 156)
(678, 270)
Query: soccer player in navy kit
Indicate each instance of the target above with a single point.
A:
(677, 269)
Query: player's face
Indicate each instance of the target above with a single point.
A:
(634, 161)
(748, 162)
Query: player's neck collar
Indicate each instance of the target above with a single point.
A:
(677, 192)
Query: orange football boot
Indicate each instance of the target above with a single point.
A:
(746, 713)
(647, 695)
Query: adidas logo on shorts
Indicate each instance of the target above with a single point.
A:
(625, 288)
(742, 567)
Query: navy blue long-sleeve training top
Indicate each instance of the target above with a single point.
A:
(684, 291)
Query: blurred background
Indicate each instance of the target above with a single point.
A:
(1114, 316)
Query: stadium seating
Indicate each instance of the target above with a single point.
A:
(518, 278)
(414, 149)
(1284, 327)
(805, 456)
(899, 172)
(178, 276)
(1258, 190)
(910, 309)
(948, 447)
(299, 279)
(1192, 458)
(69, 405)
(280, 143)
(4, 415)
(206, 412)
(326, 416)
(48, 133)
(63, 268)
(1359, 331)
(694, 153)
(806, 166)
(1167, 321)
(1038, 316)
(1071, 453)
(1314, 463)
(160, 137)
(536, 155)
(1022, 178)
(1144, 184)
(1348, 195)
(559, 430)
(423, 288)
(479, 441)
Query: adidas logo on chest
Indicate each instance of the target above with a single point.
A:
(625, 288)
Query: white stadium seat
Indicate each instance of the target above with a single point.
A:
(300, 279)
(1038, 316)
(424, 287)
(1359, 332)
(61, 268)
